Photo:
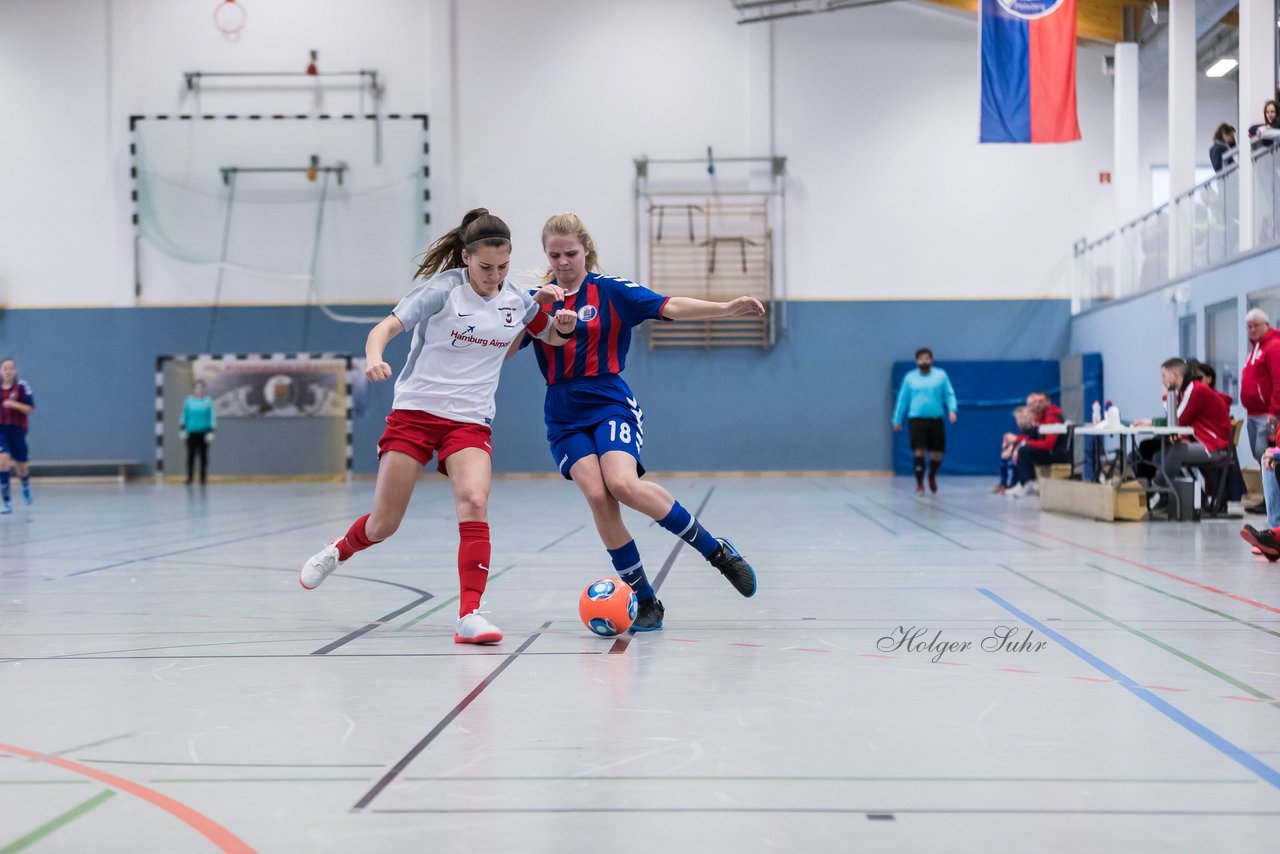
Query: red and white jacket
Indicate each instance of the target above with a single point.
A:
(1260, 377)
(1204, 411)
(1052, 415)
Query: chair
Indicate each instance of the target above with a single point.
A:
(1217, 473)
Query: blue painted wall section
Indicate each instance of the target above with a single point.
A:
(987, 393)
(818, 400)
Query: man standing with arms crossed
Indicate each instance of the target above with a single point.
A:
(1260, 385)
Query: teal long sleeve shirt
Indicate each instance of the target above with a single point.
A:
(197, 415)
(925, 395)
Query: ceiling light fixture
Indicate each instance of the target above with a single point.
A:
(1222, 67)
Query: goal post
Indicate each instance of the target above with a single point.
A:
(282, 416)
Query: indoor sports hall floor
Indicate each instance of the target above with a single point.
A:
(165, 684)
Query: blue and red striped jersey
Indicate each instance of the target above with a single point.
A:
(608, 308)
(20, 392)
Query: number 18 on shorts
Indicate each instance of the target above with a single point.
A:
(613, 434)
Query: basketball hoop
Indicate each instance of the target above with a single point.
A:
(229, 17)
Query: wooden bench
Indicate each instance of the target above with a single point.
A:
(87, 466)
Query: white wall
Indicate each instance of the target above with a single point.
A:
(540, 107)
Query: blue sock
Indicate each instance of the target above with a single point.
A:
(681, 523)
(26, 485)
(4, 486)
(626, 560)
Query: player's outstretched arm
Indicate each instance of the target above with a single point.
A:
(688, 308)
(376, 369)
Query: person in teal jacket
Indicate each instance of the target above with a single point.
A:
(197, 426)
(926, 396)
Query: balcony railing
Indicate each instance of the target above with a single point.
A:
(1201, 228)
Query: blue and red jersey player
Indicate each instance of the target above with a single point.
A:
(16, 403)
(594, 423)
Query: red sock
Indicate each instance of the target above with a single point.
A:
(473, 564)
(356, 540)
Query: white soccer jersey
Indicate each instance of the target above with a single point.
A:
(459, 342)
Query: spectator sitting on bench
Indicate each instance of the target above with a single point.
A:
(1009, 446)
(1036, 450)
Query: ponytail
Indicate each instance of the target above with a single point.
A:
(478, 229)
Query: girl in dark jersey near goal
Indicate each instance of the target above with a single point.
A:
(464, 318)
(594, 423)
(16, 403)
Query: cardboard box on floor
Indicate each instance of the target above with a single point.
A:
(1106, 501)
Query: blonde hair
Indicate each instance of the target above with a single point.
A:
(479, 228)
(1024, 417)
(570, 225)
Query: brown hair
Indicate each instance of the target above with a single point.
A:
(570, 225)
(479, 229)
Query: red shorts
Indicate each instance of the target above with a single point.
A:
(420, 434)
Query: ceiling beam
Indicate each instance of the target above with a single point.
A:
(1096, 20)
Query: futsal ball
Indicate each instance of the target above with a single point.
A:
(608, 607)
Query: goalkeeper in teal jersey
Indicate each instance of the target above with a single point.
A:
(926, 396)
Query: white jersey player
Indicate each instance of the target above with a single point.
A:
(464, 320)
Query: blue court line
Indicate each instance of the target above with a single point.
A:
(1248, 760)
(876, 522)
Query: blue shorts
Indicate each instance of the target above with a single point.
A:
(13, 441)
(593, 417)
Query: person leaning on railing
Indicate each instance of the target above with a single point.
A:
(1265, 134)
(1223, 151)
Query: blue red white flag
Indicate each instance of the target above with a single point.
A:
(1029, 71)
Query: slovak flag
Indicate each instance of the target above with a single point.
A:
(1029, 71)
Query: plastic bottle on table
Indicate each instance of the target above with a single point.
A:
(1097, 412)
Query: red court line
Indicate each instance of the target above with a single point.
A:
(1192, 582)
(1243, 699)
(753, 645)
(211, 830)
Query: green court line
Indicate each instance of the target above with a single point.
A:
(562, 539)
(1188, 601)
(800, 779)
(451, 599)
(61, 821)
(261, 780)
(1192, 660)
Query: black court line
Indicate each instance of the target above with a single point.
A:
(110, 653)
(363, 630)
(227, 764)
(621, 644)
(856, 509)
(942, 509)
(444, 722)
(927, 528)
(81, 657)
(168, 537)
(239, 539)
(98, 743)
(870, 813)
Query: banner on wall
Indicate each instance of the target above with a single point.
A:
(1029, 71)
(253, 388)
